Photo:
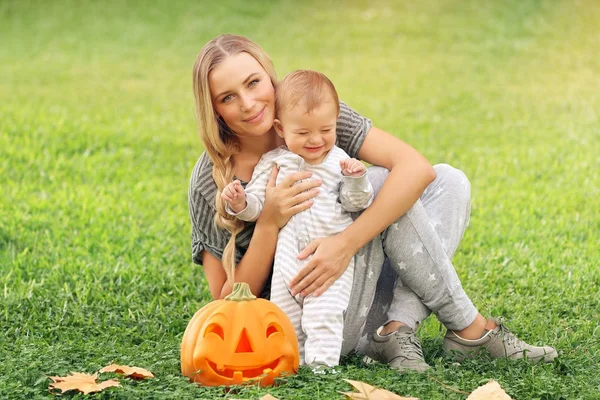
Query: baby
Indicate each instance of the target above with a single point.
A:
(307, 107)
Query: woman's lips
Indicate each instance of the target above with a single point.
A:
(255, 119)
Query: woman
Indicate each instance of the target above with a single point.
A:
(414, 224)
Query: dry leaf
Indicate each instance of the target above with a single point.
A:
(368, 392)
(132, 372)
(489, 391)
(85, 383)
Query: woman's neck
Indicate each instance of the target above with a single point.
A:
(251, 150)
(257, 146)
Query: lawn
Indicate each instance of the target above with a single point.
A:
(98, 139)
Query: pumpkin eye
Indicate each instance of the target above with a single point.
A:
(273, 328)
(215, 328)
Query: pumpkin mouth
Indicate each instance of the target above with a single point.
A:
(244, 372)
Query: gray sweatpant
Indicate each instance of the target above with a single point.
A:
(406, 273)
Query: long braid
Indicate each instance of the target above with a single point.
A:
(223, 174)
(221, 153)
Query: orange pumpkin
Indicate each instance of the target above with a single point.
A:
(239, 340)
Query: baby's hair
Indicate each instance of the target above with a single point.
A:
(304, 87)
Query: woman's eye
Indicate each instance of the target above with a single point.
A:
(227, 98)
(326, 130)
(253, 82)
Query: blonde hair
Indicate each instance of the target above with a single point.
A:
(306, 87)
(219, 140)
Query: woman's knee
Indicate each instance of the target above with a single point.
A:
(453, 179)
(446, 177)
(377, 176)
(449, 175)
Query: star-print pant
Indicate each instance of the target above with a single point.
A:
(406, 273)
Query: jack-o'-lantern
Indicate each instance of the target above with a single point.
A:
(239, 340)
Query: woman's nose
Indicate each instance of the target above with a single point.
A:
(247, 101)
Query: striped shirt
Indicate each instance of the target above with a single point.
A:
(338, 195)
(351, 132)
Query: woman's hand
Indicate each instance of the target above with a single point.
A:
(330, 259)
(293, 195)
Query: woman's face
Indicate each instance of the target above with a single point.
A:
(243, 95)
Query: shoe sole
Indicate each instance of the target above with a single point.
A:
(461, 356)
(546, 358)
(401, 370)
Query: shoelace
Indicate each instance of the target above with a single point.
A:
(412, 344)
(507, 336)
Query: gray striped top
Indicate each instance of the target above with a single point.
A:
(351, 132)
(338, 195)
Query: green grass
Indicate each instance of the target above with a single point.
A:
(98, 138)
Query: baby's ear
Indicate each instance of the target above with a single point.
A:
(278, 127)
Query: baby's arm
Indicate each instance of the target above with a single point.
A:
(239, 204)
(255, 190)
(243, 205)
(352, 167)
(235, 196)
(356, 192)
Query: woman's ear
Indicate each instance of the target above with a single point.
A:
(278, 127)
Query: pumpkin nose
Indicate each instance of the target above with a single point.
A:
(244, 345)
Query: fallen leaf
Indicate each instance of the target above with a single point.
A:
(489, 391)
(132, 372)
(368, 392)
(85, 383)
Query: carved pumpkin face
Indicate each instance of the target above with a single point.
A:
(233, 341)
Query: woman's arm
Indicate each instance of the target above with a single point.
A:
(281, 203)
(254, 267)
(410, 173)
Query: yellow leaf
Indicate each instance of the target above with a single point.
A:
(368, 392)
(85, 383)
(132, 372)
(489, 391)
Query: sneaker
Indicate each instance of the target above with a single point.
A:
(401, 350)
(499, 342)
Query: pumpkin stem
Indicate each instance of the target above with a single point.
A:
(241, 292)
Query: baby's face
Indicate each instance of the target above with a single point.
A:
(310, 135)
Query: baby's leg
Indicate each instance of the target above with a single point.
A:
(323, 321)
(280, 295)
(285, 268)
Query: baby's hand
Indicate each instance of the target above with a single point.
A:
(352, 167)
(235, 196)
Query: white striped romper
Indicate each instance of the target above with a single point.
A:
(319, 321)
